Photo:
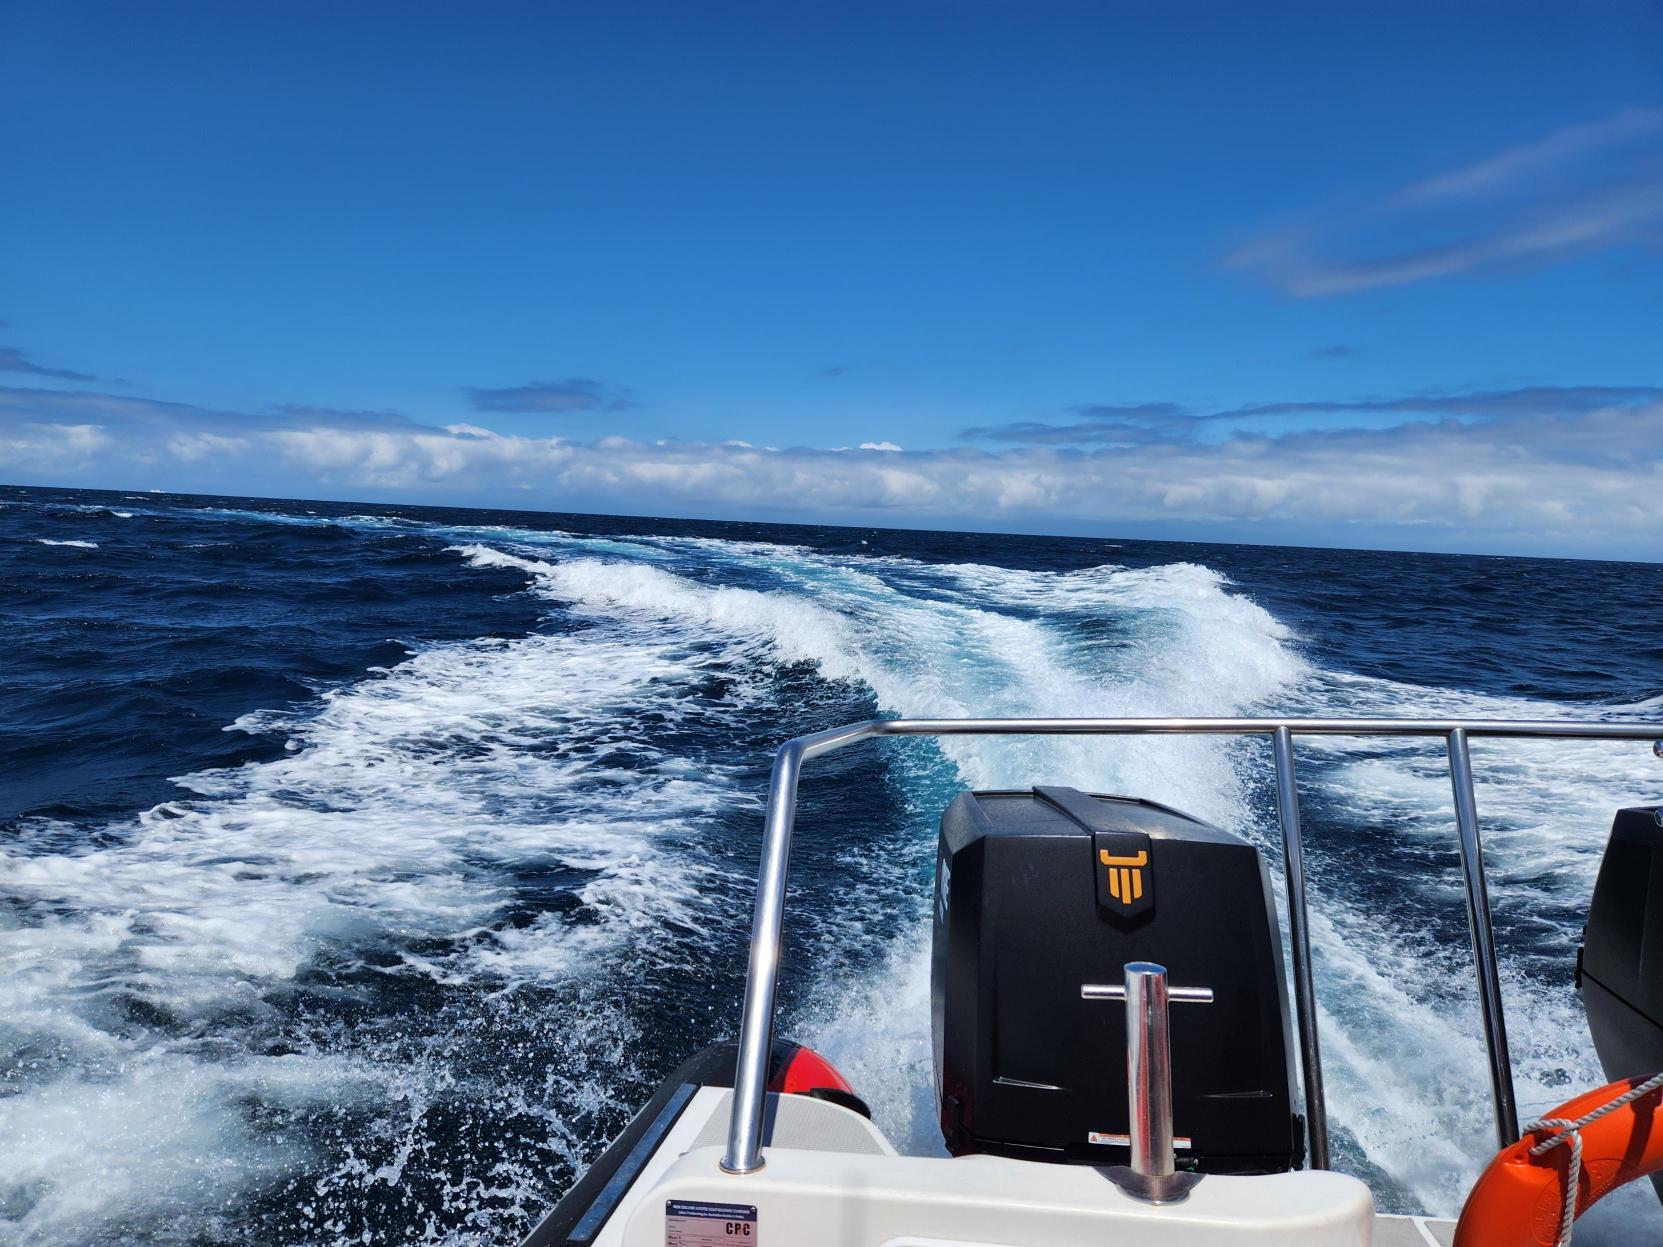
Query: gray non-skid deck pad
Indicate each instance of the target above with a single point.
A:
(798, 1121)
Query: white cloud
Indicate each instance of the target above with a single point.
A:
(27, 444)
(1542, 156)
(1580, 188)
(194, 447)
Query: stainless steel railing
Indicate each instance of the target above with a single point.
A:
(744, 1147)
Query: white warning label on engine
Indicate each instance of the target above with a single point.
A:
(689, 1223)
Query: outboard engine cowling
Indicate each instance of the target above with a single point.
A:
(1620, 965)
(1039, 893)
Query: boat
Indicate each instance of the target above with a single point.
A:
(1118, 1055)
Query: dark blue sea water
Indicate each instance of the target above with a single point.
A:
(361, 868)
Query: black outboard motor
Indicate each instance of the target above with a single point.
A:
(1040, 893)
(1620, 966)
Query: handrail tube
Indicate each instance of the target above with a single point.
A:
(1148, 1070)
(744, 1152)
(1174, 995)
(1483, 939)
(744, 1147)
(1299, 936)
(1549, 729)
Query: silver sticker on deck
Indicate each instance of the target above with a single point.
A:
(689, 1223)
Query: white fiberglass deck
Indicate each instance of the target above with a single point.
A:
(833, 1180)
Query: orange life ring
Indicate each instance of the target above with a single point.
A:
(1519, 1200)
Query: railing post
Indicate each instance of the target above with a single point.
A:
(1149, 1070)
(1483, 939)
(1153, 1174)
(1299, 935)
(756, 1031)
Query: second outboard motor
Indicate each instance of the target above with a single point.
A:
(1620, 967)
(1040, 894)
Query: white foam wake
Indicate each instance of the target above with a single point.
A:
(385, 837)
(932, 641)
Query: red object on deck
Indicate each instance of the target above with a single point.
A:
(805, 1071)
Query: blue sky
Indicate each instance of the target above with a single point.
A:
(1317, 273)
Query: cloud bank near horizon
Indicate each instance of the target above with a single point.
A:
(1574, 473)
(1144, 424)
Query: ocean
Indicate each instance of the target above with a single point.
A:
(362, 868)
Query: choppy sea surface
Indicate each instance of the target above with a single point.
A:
(363, 868)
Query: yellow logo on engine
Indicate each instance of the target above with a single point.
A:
(1125, 875)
